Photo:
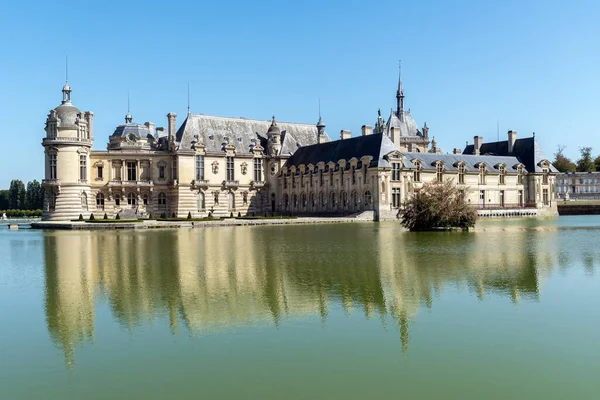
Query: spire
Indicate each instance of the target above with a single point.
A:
(189, 99)
(128, 117)
(400, 94)
(66, 90)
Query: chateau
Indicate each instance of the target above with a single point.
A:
(220, 165)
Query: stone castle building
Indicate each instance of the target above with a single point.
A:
(220, 165)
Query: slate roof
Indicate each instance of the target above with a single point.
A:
(243, 133)
(428, 161)
(408, 127)
(527, 150)
(141, 131)
(377, 146)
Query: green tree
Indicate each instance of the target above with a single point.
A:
(35, 197)
(563, 163)
(4, 200)
(438, 205)
(585, 162)
(597, 163)
(17, 195)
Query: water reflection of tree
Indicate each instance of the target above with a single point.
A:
(218, 278)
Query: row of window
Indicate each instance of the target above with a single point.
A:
(131, 200)
(321, 179)
(461, 174)
(580, 181)
(333, 201)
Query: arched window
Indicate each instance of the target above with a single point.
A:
(303, 200)
(322, 199)
(100, 201)
(131, 197)
(311, 200)
(145, 199)
(117, 200)
(200, 201)
(354, 200)
(333, 200)
(295, 201)
(84, 203)
(162, 201)
(286, 201)
(368, 198)
(344, 197)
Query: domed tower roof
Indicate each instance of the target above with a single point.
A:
(66, 112)
(273, 129)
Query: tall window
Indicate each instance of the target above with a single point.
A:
(354, 175)
(502, 176)
(365, 175)
(482, 198)
(51, 201)
(285, 182)
(162, 201)
(230, 170)
(520, 193)
(257, 170)
(199, 168)
(131, 170)
(174, 168)
(100, 172)
(310, 178)
(417, 172)
(82, 167)
(502, 198)
(52, 166)
(301, 179)
(117, 173)
(145, 199)
(320, 178)
(545, 197)
(131, 199)
(100, 201)
(368, 198)
(545, 176)
(439, 172)
(200, 201)
(395, 197)
(482, 174)
(395, 171)
(117, 200)
(461, 173)
(161, 172)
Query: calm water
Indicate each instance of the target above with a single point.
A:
(339, 311)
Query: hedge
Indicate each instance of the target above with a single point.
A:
(21, 213)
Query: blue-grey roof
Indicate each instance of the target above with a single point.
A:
(407, 126)
(377, 146)
(527, 150)
(67, 115)
(140, 131)
(451, 161)
(243, 133)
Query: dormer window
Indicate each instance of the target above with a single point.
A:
(502, 176)
(439, 172)
(546, 173)
(461, 173)
(482, 174)
(520, 175)
(417, 172)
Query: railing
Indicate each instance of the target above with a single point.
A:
(231, 184)
(84, 181)
(67, 139)
(200, 183)
(50, 182)
(259, 184)
(143, 182)
(505, 206)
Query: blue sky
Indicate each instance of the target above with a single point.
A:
(532, 65)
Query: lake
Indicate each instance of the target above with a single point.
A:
(348, 311)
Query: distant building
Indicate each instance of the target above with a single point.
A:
(221, 165)
(578, 185)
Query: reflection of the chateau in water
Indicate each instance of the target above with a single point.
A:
(226, 277)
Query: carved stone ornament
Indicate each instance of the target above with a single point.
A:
(215, 167)
(244, 168)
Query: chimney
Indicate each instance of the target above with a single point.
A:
(172, 117)
(90, 120)
(150, 126)
(321, 139)
(457, 151)
(477, 141)
(512, 137)
(345, 134)
(366, 130)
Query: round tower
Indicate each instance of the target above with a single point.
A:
(274, 138)
(67, 146)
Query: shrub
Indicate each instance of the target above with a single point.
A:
(118, 216)
(210, 214)
(173, 215)
(149, 215)
(163, 215)
(92, 217)
(239, 214)
(105, 216)
(437, 205)
(81, 217)
(266, 214)
(231, 214)
(189, 215)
